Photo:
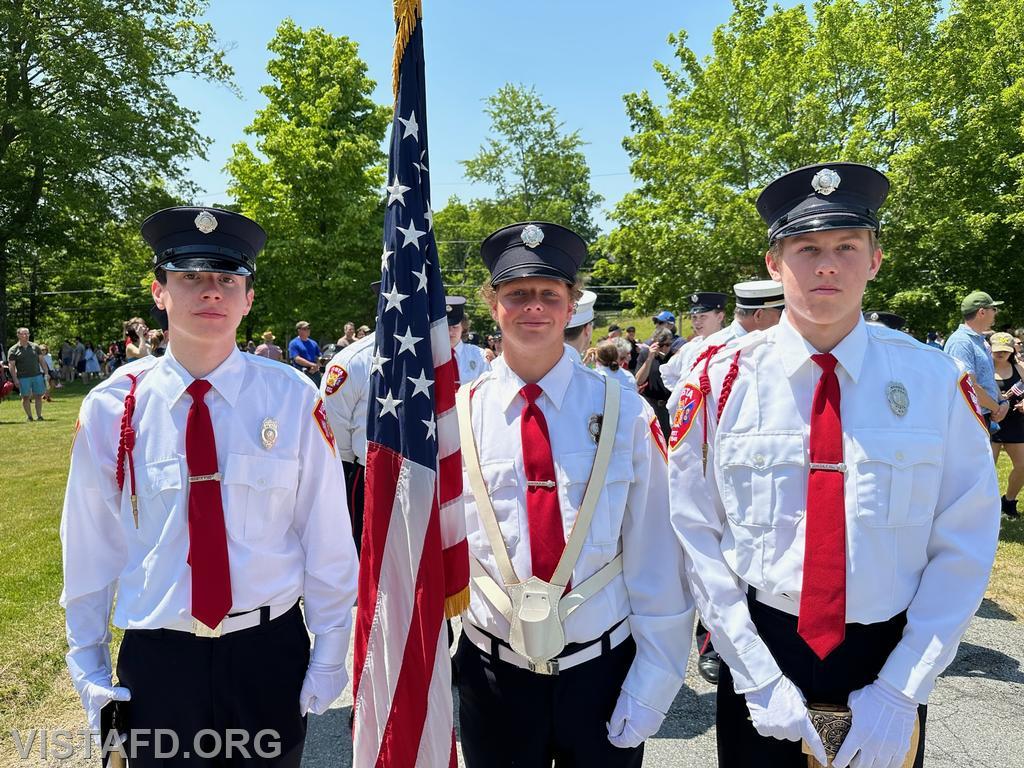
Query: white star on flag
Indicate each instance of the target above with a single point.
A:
(397, 192)
(394, 299)
(377, 363)
(422, 385)
(429, 216)
(384, 256)
(410, 127)
(422, 277)
(421, 166)
(407, 343)
(411, 235)
(431, 428)
(388, 404)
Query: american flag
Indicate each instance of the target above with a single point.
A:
(415, 564)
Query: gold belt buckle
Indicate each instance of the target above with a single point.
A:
(201, 630)
(549, 667)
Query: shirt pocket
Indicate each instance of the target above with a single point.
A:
(159, 497)
(259, 496)
(897, 477)
(574, 470)
(764, 478)
(502, 484)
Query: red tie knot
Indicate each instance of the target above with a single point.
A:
(827, 362)
(198, 389)
(531, 392)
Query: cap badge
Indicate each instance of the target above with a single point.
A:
(206, 222)
(447, 307)
(826, 181)
(694, 298)
(874, 317)
(532, 235)
(268, 433)
(898, 398)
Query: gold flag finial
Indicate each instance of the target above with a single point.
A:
(407, 14)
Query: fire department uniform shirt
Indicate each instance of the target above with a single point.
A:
(345, 387)
(471, 361)
(631, 517)
(284, 511)
(922, 503)
(678, 367)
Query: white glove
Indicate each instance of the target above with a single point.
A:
(778, 711)
(632, 722)
(96, 691)
(883, 723)
(321, 687)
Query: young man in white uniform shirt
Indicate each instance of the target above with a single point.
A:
(469, 357)
(580, 329)
(204, 495)
(535, 421)
(842, 535)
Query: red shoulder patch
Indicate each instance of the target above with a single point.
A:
(320, 417)
(659, 438)
(336, 377)
(690, 402)
(967, 390)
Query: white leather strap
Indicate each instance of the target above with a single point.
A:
(230, 623)
(784, 603)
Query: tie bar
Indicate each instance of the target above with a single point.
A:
(541, 483)
(840, 467)
(203, 478)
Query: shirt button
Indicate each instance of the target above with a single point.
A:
(758, 460)
(899, 455)
(261, 482)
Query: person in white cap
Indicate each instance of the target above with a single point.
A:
(469, 357)
(580, 329)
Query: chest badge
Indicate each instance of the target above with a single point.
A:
(898, 398)
(268, 433)
(594, 426)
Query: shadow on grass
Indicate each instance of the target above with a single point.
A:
(1012, 531)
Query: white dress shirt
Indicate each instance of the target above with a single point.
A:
(679, 365)
(631, 517)
(287, 526)
(471, 361)
(625, 378)
(922, 503)
(345, 396)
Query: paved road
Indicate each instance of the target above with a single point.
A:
(974, 721)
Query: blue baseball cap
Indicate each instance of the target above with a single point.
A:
(664, 317)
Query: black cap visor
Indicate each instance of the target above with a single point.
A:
(205, 264)
(537, 269)
(821, 221)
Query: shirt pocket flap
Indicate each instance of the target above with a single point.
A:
(261, 472)
(161, 476)
(899, 449)
(499, 474)
(758, 451)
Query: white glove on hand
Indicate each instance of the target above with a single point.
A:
(883, 723)
(96, 691)
(778, 711)
(632, 722)
(322, 685)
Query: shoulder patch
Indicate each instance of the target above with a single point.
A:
(336, 378)
(659, 438)
(320, 417)
(690, 402)
(967, 390)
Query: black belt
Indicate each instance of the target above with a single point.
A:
(570, 648)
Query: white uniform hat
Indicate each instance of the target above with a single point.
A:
(584, 310)
(758, 294)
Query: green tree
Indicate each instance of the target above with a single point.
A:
(314, 182)
(537, 171)
(87, 123)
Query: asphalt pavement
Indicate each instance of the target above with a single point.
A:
(974, 719)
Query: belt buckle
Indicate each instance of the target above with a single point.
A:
(201, 630)
(549, 667)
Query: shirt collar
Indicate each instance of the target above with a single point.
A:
(555, 383)
(737, 329)
(970, 331)
(171, 379)
(795, 350)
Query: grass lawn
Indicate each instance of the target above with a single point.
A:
(34, 687)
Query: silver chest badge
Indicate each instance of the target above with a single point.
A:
(594, 426)
(898, 398)
(206, 222)
(532, 235)
(826, 181)
(268, 433)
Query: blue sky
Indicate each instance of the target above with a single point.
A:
(581, 55)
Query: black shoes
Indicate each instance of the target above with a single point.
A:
(708, 665)
(1010, 508)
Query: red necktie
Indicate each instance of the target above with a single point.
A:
(208, 544)
(822, 622)
(542, 510)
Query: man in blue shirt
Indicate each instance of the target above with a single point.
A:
(967, 344)
(304, 352)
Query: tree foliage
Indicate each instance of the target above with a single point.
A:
(933, 98)
(90, 136)
(537, 170)
(313, 181)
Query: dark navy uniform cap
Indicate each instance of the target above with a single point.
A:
(375, 288)
(455, 308)
(888, 319)
(533, 249)
(187, 239)
(707, 301)
(821, 197)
